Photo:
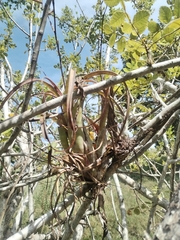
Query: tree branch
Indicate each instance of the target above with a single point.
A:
(142, 190)
(14, 121)
(70, 227)
(122, 207)
(16, 24)
(47, 217)
(31, 75)
(169, 227)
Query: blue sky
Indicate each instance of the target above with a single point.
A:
(17, 57)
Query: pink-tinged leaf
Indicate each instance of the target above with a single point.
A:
(53, 88)
(70, 89)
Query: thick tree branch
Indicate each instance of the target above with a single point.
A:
(47, 217)
(31, 75)
(14, 121)
(144, 147)
(71, 226)
(169, 227)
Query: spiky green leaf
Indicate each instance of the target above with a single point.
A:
(63, 137)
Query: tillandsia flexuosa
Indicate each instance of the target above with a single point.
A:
(89, 156)
(89, 141)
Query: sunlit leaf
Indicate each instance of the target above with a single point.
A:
(177, 8)
(121, 44)
(107, 29)
(142, 107)
(129, 65)
(140, 21)
(165, 14)
(112, 39)
(126, 28)
(11, 114)
(156, 37)
(111, 3)
(133, 35)
(117, 19)
(168, 34)
(153, 26)
(135, 56)
(175, 24)
(6, 135)
(133, 45)
(172, 29)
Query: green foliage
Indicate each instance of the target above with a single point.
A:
(126, 28)
(107, 29)
(121, 44)
(153, 27)
(165, 14)
(51, 43)
(177, 8)
(172, 30)
(170, 136)
(140, 21)
(112, 39)
(143, 4)
(5, 135)
(142, 40)
(6, 40)
(15, 4)
(111, 3)
(117, 18)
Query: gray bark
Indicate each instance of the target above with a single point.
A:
(70, 227)
(122, 207)
(47, 217)
(8, 208)
(14, 121)
(169, 228)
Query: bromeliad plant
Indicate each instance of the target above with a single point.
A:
(88, 144)
(89, 156)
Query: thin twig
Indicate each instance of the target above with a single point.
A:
(16, 24)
